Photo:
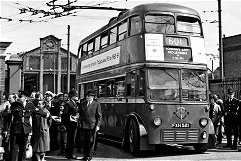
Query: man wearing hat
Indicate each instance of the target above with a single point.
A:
(69, 118)
(90, 117)
(231, 107)
(20, 125)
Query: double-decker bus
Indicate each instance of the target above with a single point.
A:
(148, 69)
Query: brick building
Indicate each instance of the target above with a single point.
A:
(45, 67)
(232, 68)
(232, 56)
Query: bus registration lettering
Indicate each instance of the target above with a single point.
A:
(181, 125)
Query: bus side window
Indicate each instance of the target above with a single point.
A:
(122, 30)
(113, 35)
(97, 43)
(130, 84)
(90, 47)
(135, 25)
(120, 87)
(104, 40)
(110, 88)
(84, 50)
(95, 87)
(102, 88)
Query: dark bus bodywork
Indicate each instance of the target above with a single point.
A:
(152, 80)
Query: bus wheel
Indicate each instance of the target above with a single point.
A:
(134, 137)
(198, 149)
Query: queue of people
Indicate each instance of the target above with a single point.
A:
(38, 119)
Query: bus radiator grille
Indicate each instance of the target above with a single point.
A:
(181, 136)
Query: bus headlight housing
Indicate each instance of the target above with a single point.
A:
(152, 107)
(203, 122)
(157, 121)
(204, 135)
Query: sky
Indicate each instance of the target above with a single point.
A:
(25, 30)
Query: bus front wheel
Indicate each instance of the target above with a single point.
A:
(134, 137)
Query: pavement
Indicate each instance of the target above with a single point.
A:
(51, 156)
(54, 156)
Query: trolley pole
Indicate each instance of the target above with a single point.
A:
(220, 39)
(68, 62)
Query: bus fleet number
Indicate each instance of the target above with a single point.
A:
(174, 41)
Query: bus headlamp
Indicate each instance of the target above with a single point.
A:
(203, 122)
(152, 107)
(206, 108)
(204, 135)
(157, 121)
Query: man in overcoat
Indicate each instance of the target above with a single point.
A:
(90, 117)
(69, 118)
(231, 108)
(21, 125)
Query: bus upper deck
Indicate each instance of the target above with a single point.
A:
(151, 32)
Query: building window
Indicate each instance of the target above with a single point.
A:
(34, 62)
(49, 62)
(64, 63)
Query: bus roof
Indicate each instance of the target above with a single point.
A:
(142, 10)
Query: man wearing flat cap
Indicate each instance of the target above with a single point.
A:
(69, 118)
(20, 125)
(231, 108)
(90, 117)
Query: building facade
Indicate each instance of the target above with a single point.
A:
(231, 70)
(3, 85)
(232, 56)
(45, 67)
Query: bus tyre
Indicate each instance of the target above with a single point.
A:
(134, 137)
(198, 149)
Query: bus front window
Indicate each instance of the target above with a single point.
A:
(159, 24)
(163, 84)
(194, 85)
(189, 25)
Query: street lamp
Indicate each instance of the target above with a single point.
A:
(212, 57)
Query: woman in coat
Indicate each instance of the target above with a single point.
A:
(40, 138)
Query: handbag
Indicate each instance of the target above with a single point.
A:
(29, 151)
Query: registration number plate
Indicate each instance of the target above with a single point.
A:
(181, 125)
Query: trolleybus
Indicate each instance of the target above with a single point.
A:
(148, 69)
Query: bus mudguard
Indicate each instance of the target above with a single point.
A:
(144, 145)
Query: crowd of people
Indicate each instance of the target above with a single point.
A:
(63, 122)
(49, 123)
(226, 118)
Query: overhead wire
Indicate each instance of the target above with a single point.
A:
(16, 25)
